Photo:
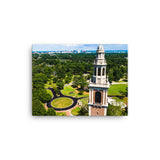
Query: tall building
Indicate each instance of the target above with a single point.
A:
(98, 86)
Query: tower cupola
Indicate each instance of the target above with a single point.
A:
(100, 52)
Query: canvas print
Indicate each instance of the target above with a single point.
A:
(80, 80)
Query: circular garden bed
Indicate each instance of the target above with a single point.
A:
(62, 102)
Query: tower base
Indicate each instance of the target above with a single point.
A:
(97, 111)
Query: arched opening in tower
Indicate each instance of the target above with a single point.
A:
(95, 71)
(103, 71)
(99, 71)
(97, 97)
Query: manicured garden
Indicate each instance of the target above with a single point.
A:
(69, 91)
(73, 92)
(61, 102)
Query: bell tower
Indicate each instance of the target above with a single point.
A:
(98, 86)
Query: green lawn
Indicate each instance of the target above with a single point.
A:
(60, 113)
(67, 89)
(75, 111)
(115, 89)
(61, 102)
(83, 95)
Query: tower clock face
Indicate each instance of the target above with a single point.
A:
(97, 97)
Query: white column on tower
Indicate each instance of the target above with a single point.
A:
(101, 74)
(103, 96)
(96, 71)
(89, 110)
(92, 96)
(105, 111)
(106, 97)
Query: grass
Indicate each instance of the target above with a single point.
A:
(60, 113)
(75, 111)
(85, 94)
(61, 102)
(115, 89)
(67, 89)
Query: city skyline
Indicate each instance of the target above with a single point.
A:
(62, 47)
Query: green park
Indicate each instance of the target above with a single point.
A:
(62, 79)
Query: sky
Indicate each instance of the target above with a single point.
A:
(61, 47)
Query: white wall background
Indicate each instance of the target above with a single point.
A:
(24, 23)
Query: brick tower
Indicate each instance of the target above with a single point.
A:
(98, 86)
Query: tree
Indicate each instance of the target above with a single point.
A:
(75, 82)
(60, 71)
(56, 90)
(48, 71)
(81, 91)
(82, 82)
(55, 79)
(117, 74)
(60, 84)
(125, 77)
(110, 77)
(114, 111)
(84, 110)
(51, 112)
(88, 77)
(45, 97)
(41, 94)
(68, 78)
(38, 108)
(39, 79)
